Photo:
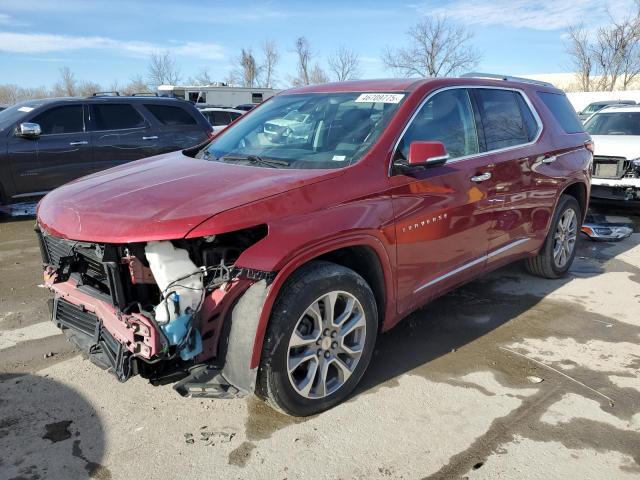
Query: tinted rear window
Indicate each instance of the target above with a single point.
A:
(562, 110)
(116, 117)
(168, 115)
(506, 118)
(67, 119)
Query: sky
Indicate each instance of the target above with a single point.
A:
(107, 41)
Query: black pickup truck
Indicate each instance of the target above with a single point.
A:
(46, 143)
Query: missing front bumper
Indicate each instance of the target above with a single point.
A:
(86, 331)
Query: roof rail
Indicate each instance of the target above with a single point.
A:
(507, 78)
(106, 94)
(145, 94)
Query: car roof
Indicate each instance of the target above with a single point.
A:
(613, 102)
(107, 99)
(620, 108)
(411, 84)
(220, 109)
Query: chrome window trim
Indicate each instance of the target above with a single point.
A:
(472, 263)
(532, 109)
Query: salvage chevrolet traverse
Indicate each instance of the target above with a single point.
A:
(269, 260)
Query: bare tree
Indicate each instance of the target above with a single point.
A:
(345, 64)
(247, 71)
(437, 48)
(202, 78)
(162, 70)
(611, 58)
(67, 85)
(318, 75)
(11, 93)
(579, 51)
(88, 88)
(271, 57)
(303, 51)
(136, 85)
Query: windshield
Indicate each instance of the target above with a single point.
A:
(12, 115)
(614, 123)
(318, 130)
(594, 107)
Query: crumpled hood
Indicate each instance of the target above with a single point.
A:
(160, 198)
(627, 146)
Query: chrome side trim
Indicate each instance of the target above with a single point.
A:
(534, 112)
(472, 263)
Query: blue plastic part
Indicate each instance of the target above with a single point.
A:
(176, 331)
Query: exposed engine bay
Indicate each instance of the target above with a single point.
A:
(157, 309)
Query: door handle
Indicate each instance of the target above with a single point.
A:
(75, 144)
(550, 159)
(153, 137)
(481, 178)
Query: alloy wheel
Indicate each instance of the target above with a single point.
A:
(564, 238)
(326, 344)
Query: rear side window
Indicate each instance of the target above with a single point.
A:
(562, 110)
(506, 118)
(171, 116)
(66, 119)
(234, 115)
(116, 117)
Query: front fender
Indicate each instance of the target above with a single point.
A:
(311, 253)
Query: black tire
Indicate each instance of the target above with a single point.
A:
(305, 286)
(543, 265)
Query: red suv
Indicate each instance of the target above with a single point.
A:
(268, 260)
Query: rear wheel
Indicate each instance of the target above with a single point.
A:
(319, 341)
(559, 249)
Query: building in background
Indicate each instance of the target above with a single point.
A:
(217, 95)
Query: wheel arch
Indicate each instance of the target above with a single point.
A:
(365, 254)
(577, 190)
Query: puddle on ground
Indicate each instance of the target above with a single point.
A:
(58, 431)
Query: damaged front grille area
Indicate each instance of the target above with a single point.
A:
(68, 315)
(613, 168)
(86, 330)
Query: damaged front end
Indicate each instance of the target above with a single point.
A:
(615, 178)
(161, 309)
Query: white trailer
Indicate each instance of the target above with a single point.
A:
(217, 95)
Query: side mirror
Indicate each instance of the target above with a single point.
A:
(29, 130)
(427, 153)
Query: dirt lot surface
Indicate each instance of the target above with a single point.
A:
(508, 377)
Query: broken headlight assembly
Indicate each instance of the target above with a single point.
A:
(185, 272)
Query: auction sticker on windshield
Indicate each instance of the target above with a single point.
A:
(380, 98)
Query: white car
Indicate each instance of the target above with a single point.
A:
(616, 163)
(220, 117)
(292, 126)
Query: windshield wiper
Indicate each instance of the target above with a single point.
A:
(268, 162)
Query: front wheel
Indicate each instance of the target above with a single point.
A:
(319, 341)
(559, 249)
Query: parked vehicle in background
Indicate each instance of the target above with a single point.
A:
(616, 164)
(46, 143)
(270, 267)
(246, 106)
(290, 128)
(217, 94)
(219, 118)
(597, 106)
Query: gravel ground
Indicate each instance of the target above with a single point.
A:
(508, 377)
